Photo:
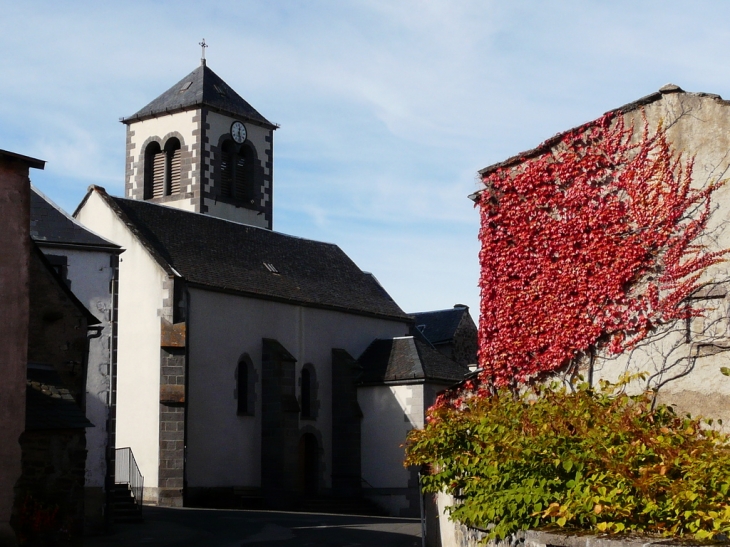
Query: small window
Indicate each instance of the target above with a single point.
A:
(308, 392)
(306, 402)
(243, 395)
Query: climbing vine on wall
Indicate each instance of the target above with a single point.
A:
(593, 243)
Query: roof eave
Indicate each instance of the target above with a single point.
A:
(262, 296)
(141, 116)
(132, 228)
(545, 145)
(112, 248)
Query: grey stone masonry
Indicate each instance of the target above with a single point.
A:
(171, 472)
(548, 539)
(346, 417)
(280, 426)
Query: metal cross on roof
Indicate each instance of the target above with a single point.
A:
(202, 45)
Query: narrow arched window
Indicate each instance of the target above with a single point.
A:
(154, 171)
(306, 393)
(242, 379)
(172, 171)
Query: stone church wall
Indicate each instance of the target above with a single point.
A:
(222, 328)
(142, 291)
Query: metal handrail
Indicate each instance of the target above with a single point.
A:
(127, 472)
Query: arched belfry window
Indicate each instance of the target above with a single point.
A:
(162, 169)
(172, 167)
(237, 173)
(154, 171)
(228, 153)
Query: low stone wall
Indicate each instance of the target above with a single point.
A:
(453, 534)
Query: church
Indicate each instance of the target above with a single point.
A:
(242, 370)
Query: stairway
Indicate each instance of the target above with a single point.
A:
(124, 509)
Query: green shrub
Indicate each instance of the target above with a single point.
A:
(600, 461)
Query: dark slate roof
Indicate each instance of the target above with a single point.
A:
(50, 224)
(224, 255)
(48, 404)
(407, 358)
(439, 326)
(202, 87)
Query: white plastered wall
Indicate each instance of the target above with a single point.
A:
(225, 449)
(180, 122)
(91, 274)
(138, 359)
(389, 413)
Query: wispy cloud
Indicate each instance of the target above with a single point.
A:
(387, 108)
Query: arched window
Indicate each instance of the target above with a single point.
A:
(308, 392)
(242, 381)
(306, 402)
(172, 171)
(154, 171)
(237, 173)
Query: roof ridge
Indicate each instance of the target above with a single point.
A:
(217, 219)
(68, 217)
(628, 107)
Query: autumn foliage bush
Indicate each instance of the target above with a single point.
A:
(600, 461)
(589, 245)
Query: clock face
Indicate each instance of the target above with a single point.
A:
(238, 132)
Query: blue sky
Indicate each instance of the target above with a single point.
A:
(387, 108)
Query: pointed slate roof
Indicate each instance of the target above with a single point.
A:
(50, 225)
(216, 254)
(202, 87)
(439, 326)
(407, 358)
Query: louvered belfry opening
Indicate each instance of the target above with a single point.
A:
(172, 152)
(237, 173)
(228, 153)
(154, 170)
(240, 174)
(158, 180)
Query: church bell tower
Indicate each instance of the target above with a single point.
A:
(201, 147)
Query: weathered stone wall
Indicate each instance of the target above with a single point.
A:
(51, 487)
(14, 276)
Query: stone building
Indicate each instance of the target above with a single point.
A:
(452, 332)
(49, 495)
(88, 265)
(400, 380)
(14, 320)
(685, 364)
(237, 371)
(201, 147)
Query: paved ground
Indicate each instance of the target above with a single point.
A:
(165, 527)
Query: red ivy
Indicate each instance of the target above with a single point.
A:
(590, 243)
